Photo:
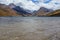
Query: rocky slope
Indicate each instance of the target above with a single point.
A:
(21, 11)
(43, 11)
(54, 13)
(7, 11)
(11, 5)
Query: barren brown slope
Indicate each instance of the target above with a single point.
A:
(54, 13)
(7, 11)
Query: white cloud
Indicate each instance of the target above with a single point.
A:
(29, 5)
(6, 1)
(54, 4)
(51, 4)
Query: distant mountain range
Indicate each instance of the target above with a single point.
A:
(20, 10)
(42, 11)
(13, 10)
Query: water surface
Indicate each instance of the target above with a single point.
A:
(29, 28)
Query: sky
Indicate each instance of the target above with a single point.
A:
(34, 4)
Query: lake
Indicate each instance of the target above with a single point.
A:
(29, 28)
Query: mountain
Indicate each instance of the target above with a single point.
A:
(22, 11)
(13, 10)
(54, 13)
(43, 11)
(19, 9)
(5, 10)
(11, 5)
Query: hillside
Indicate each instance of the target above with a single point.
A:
(54, 13)
(7, 11)
(43, 11)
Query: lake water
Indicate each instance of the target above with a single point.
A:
(29, 28)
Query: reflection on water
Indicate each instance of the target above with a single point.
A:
(29, 28)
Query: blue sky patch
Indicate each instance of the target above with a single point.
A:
(47, 1)
(57, 3)
(35, 1)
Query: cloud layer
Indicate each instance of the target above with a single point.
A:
(34, 4)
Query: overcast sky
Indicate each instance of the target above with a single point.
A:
(34, 4)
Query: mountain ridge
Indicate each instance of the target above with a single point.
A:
(13, 10)
(43, 11)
